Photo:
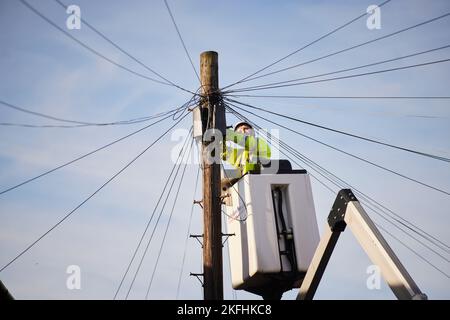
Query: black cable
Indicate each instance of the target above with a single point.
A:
(33, 9)
(381, 113)
(409, 235)
(79, 158)
(187, 234)
(88, 198)
(149, 220)
(42, 115)
(155, 226)
(348, 153)
(340, 97)
(124, 51)
(344, 184)
(84, 45)
(438, 243)
(305, 46)
(415, 252)
(441, 158)
(350, 69)
(82, 156)
(168, 223)
(77, 124)
(181, 39)
(345, 77)
(194, 100)
(355, 46)
(26, 125)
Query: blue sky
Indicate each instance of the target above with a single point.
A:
(45, 71)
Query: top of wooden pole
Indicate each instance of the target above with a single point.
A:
(209, 72)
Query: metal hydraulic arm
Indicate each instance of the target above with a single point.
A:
(348, 211)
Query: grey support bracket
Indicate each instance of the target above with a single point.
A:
(347, 211)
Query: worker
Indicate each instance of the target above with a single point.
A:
(249, 153)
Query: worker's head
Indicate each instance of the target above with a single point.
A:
(244, 128)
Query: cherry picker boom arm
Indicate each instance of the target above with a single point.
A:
(348, 211)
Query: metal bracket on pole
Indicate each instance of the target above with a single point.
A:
(199, 202)
(197, 275)
(196, 236)
(348, 211)
(227, 235)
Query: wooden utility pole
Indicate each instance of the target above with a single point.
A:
(213, 117)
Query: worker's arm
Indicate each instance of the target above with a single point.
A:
(231, 154)
(250, 145)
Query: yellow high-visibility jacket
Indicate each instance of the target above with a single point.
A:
(247, 157)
